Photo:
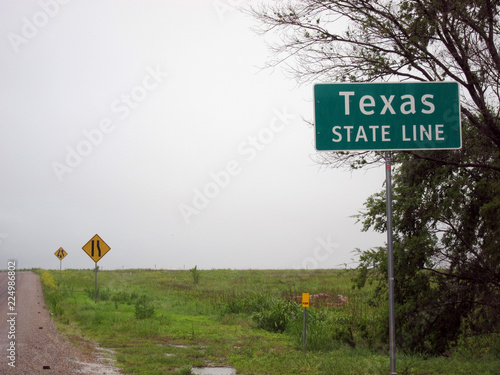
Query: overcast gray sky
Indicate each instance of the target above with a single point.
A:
(151, 124)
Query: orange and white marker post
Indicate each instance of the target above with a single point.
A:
(305, 305)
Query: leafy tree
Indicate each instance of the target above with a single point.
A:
(446, 203)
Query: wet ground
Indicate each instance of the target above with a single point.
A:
(213, 371)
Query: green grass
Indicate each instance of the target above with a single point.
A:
(216, 321)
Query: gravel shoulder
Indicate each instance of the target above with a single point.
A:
(39, 348)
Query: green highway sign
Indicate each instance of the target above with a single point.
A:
(387, 116)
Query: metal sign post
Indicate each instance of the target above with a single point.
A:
(305, 305)
(304, 331)
(96, 248)
(95, 284)
(390, 261)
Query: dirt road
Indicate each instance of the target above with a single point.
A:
(29, 341)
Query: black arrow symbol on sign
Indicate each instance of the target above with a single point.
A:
(98, 248)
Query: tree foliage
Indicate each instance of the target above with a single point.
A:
(446, 251)
(446, 203)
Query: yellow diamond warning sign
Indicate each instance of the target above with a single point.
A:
(61, 253)
(96, 248)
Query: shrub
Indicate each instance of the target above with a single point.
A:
(196, 274)
(143, 308)
(275, 314)
(104, 294)
(121, 297)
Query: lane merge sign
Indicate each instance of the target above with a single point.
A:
(387, 116)
(96, 248)
(60, 253)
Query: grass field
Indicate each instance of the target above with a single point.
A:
(166, 322)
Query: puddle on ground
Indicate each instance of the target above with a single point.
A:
(213, 371)
(104, 368)
(96, 368)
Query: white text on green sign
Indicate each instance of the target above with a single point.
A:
(387, 116)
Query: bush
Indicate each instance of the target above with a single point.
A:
(239, 305)
(196, 274)
(275, 314)
(102, 295)
(121, 297)
(268, 312)
(143, 308)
